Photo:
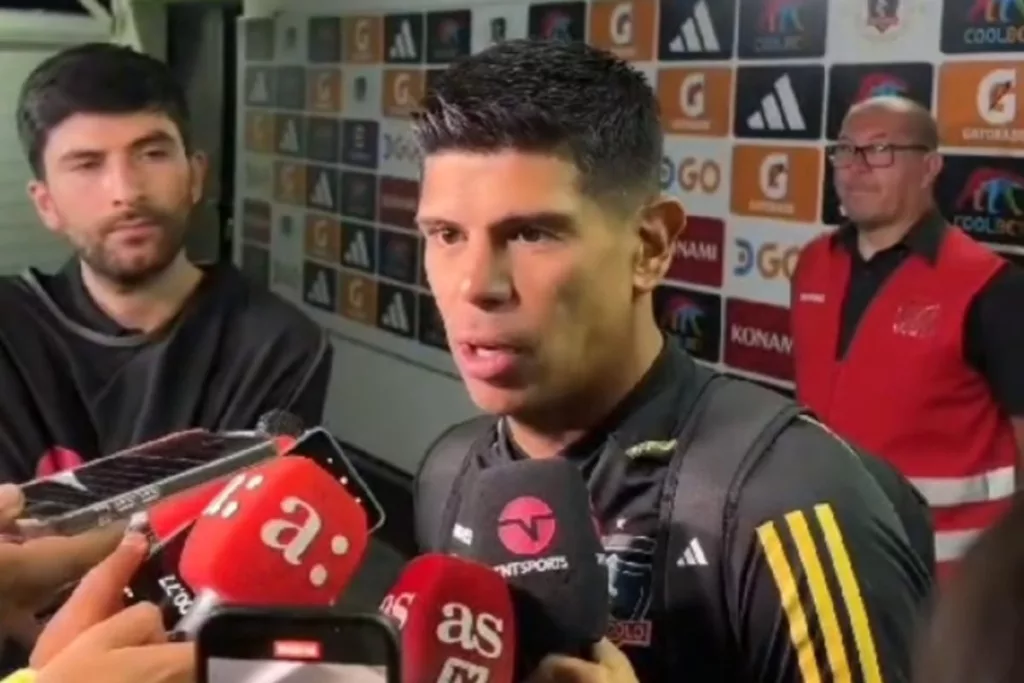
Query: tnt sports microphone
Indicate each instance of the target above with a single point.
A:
(456, 620)
(531, 520)
(284, 533)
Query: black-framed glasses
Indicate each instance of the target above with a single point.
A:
(877, 155)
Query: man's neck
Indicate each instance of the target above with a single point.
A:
(876, 238)
(150, 307)
(546, 437)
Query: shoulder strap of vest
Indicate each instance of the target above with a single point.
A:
(724, 436)
(435, 489)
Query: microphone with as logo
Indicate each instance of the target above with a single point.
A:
(456, 622)
(531, 521)
(283, 533)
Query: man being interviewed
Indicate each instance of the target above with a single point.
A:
(909, 335)
(130, 340)
(546, 234)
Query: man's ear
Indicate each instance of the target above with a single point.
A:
(39, 193)
(198, 165)
(934, 164)
(661, 224)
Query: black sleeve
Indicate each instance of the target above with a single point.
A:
(22, 438)
(301, 386)
(994, 337)
(827, 586)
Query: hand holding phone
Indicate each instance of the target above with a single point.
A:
(287, 645)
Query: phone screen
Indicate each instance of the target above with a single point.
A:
(119, 484)
(284, 645)
(276, 671)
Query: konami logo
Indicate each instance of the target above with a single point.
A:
(699, 252)
(758, 339)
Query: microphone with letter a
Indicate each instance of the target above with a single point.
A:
(168, 522)
(456, 621)
(531, 521)
(284, 533)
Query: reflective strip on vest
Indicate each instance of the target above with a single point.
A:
(951, 545)
(948, 492)
(945, 492)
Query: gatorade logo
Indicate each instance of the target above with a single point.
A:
(526, 526)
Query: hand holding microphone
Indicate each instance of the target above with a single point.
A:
(456, 621)
(92, 640)
(283, 533)
(531, 522)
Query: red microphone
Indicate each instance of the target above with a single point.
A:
(283, 533)
(456, 622)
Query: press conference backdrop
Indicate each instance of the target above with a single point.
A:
(750, 91)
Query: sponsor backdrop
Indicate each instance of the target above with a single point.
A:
(750, 90)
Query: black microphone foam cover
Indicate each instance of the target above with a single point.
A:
(531, 520)
(280, 423)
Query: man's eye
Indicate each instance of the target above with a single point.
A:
(531, 235)
(443, 235)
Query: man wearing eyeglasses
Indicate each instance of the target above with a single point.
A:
(908, 335)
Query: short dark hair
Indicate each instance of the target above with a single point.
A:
(567, 99)
(94, 78)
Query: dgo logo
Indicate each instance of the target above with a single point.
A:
(526, 526)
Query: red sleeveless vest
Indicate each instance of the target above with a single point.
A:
(904, 392)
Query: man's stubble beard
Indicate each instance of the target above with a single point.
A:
(173, 229)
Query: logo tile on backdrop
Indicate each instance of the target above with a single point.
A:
(558, 21)
(448, 35)
(625, 28)
(363, 41)
(290, 89)
(696, 30)
(322, 188)
(359, 246)
(396, 310)
(774, 29)
(889, 31)
(324, 40)
(852, 83)
(697, 171)
(761, 258)
(696, 101)
(358, 195)
(757, 339)
(403, 38)
(779, 102)
(361, 92)
(400, 155)
(431, 327)
(399, 256)
(359, 298)
(256, 264)
(776, 182)
(979, 104)
(320, 286)
(324, 90)
(360, 142)
(323, 139)
(985, 197)
(694, 317)
(699, 253)
(402, 91)
(259, 40)
(973, 26)
(323, 238)
(493, 24)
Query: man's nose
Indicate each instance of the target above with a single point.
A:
(486, 278)
(124, 183)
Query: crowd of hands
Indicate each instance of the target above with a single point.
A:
(94, 638)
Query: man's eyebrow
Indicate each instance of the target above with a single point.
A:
(549, 219)
(154, 138)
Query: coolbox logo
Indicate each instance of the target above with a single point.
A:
(526, 526)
